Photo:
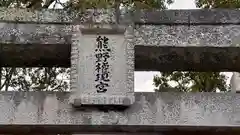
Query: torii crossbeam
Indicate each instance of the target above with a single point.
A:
(167, 40)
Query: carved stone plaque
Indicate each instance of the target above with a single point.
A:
(105, 69)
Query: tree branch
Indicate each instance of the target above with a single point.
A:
(8, 79)
(48, 3)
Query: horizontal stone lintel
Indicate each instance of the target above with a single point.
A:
(33, 45)
(196, 16)
(35, 55)
(118, 130)
(50, 33)
(195, 48)
(199, 59)
(202, 35)
(190, 17)
(35, 33)
(150, 112)
(147, 58)
(184, 36)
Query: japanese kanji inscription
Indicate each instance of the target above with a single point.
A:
(105, 72)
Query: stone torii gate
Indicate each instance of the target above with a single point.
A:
(103, 49)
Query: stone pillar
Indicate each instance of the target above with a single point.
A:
(102, 67)
(76, 41)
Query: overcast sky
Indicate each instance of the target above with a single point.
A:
(144, 80)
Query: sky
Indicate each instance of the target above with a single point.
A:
(143, 81)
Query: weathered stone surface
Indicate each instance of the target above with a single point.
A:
(42, 16)
(162, 17)
(172, 58)
(149, 41)
(205, 35)
(119, 68)
(166, 47)
(75, 39)
(180, 52)
(156, 111)
(184, 36)
(57, 16)
(35, 55)
(15, 14)
(35, 33)
(217, 16)
(24, 45)
(104, 22)
(199, 16)
(180, 47)
(202, 16)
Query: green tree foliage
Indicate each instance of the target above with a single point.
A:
(142, 4)
(192, 81)
(218, 3)
(198, 81)
(52, 79)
